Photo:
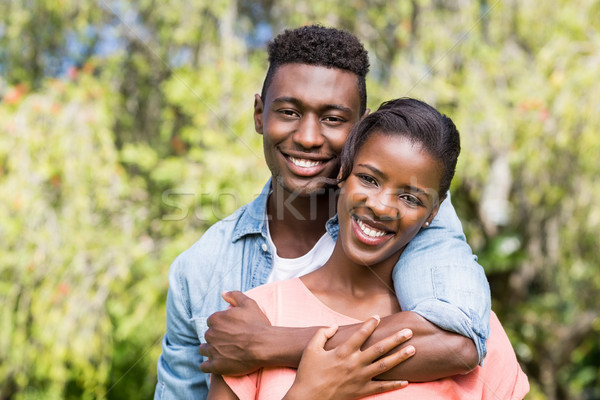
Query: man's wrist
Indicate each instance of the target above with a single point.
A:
(283, 346)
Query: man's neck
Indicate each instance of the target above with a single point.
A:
(297, 222)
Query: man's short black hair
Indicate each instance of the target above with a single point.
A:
(317, 45)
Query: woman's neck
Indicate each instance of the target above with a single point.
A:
(356, 290)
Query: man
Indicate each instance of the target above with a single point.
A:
(313, 94)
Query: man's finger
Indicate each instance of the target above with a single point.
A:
(230, 298)
(235, 297)
(321, 337)
(207, 367)
(203, 349)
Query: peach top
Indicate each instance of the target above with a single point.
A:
(290, 303)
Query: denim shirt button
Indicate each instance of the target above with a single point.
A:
(264, 247)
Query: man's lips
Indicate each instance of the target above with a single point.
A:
(303, 162)
(308, 165)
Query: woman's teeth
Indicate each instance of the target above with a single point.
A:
(371, 232)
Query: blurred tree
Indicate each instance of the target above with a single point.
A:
(147, 138)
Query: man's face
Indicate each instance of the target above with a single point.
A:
(305, 118)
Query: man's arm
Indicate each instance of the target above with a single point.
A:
(240, 340)
(438, 277)
(179, 375)
(438, 353)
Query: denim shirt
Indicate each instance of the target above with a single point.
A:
(437, 276)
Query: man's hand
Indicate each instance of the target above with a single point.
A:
(347, 372)
(233, 337)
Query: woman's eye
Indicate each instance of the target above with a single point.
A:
(367, 179)
(412, 200)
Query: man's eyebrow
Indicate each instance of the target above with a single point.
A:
(298, 103)
(287, 99)
(411, 188)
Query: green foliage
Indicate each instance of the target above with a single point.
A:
(109, 172)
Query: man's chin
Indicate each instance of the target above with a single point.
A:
(314, 187)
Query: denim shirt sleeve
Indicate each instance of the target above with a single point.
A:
(231, 255)
(439, 278)
(178, 369)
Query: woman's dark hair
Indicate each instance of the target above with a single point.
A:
(320, 46)
(418, 122)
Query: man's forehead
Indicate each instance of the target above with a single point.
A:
(315, 84)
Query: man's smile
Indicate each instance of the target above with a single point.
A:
(303, 162)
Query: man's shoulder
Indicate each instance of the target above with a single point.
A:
(217, 239)
(249, 218)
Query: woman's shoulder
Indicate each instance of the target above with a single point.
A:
(274, 297)
(269, 289)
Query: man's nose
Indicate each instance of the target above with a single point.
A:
(309, 135)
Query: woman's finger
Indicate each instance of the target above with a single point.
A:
(358, 338)
(321, 337)
(388, 362)
(375, 387)
(385, 345)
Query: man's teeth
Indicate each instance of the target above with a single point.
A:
(369, 231)
(301, 162)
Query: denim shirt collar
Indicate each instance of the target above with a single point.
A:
(252, 221)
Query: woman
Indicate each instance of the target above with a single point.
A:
(395, 164)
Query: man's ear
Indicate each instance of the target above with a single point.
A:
(367, 112)
(434, 212)
(258, 114)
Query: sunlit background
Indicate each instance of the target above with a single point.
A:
(126, 130)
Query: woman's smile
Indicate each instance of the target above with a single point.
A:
(367, 233)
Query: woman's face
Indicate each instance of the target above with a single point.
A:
(390, 194)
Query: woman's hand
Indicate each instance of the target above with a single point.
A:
(347, 372)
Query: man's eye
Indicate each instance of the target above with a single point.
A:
(334, 120)
(288, 113)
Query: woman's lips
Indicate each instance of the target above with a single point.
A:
(368, 234)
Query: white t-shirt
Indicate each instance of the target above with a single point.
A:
(288, 268)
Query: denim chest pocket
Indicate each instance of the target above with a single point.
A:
(201, 327)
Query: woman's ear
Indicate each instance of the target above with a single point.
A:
(258, 114)
(433, 213)
(339, 176)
